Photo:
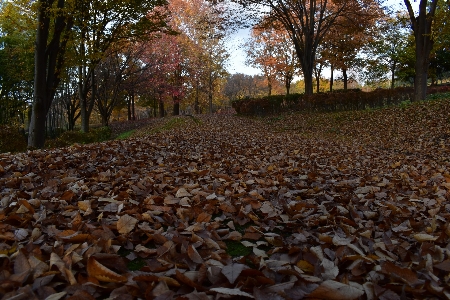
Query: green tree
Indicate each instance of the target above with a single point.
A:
(385, 51)
(440, 56)
(17, 34)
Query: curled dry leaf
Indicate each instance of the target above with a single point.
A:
(423, 237)
(102, 273)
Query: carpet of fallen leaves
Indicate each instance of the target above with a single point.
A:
(319, 206)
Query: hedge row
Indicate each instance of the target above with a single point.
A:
(335, 101)
(14, 139)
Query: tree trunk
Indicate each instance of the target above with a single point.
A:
(85, 105)
(161, 108)
(317, 84)
(344, 74)
(36, 133)
(48, 58)
(308, 77)
(421, 26)
(176, 106)
(394, 65)
(196, 104)
(104, 120)
(331, 79)
(129, 108)
(287, 83)
(306, 58)
(210, 92)
(133, 112)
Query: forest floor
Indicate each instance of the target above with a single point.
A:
(349, 205)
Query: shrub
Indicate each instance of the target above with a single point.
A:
(266, 105)
(340, 100)
(12, 139)
(71, 137)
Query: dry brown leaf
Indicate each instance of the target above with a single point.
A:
(231, 292)
(404, 274)
(233, 271)
(335, 290)
(126, 224)
(193, 255)
(102, 273)
(423, 237)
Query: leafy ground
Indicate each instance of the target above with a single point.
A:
(318, 206)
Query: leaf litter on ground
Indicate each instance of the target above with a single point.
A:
(357, 212)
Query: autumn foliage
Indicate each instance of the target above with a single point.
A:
(317, 206)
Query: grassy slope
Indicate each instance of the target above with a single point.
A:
(406, 128)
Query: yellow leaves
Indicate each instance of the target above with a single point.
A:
(424, 237)
(85, 207)
(305, 266)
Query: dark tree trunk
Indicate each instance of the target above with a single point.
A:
(308, 77)
(287, 83)
(161, 108)
(72, 112)
(131, 116)
(133, 112)
(306, 52)
(331, 79)
(129, 109)
(104, 120)
(210, 92)
(394, 66)
(317, 84)
(344, 74)
(421, 25)
(196, 104)
(48, 58)
(176, 106)
(88, 106)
